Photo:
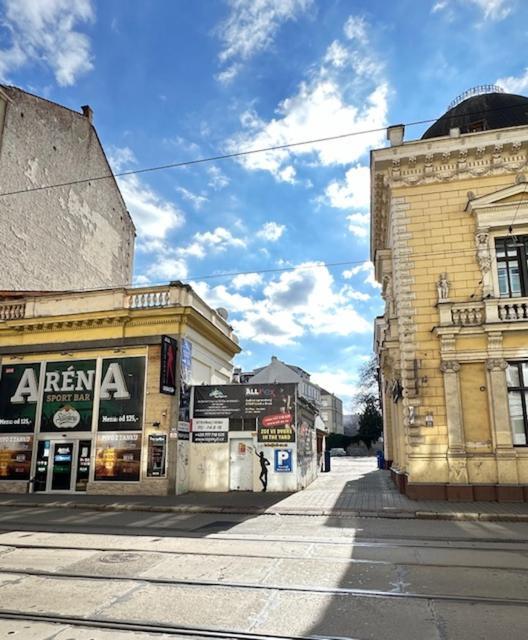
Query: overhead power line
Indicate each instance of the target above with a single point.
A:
(318, 265)
(239, 154)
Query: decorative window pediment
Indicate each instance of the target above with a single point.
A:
(500, 208)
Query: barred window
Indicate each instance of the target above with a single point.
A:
(517, 380)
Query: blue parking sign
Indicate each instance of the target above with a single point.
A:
(283, 460)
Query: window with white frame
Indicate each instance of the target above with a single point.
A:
(517, 381)
(512, 266)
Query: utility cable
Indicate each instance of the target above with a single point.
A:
(238, 154)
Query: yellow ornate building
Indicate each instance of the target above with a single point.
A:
(449, 240)
(95, 387)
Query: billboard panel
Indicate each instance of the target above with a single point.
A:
(121, 397)
(19, 394)
(68, 396)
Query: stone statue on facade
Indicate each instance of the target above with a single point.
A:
(443, 287)
(484, 261)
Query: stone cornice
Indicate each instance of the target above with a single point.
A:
(441, 160)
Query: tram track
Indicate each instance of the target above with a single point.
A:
(245, 586)
(379, 541)
(215, 554)
(153, 628)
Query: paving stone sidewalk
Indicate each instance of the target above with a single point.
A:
(354, 487)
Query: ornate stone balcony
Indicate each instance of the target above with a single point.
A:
(492, 310)
(12, 310)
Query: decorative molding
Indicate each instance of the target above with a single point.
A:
(450, 366)
(496, 364)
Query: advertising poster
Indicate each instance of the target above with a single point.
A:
(244, 401)
(157, 448)
(169, 349)
(185, 379)
(68, 396)
(15, 457)
(122, 391)
(184, 429)
(210, 430)
(118, 457)
(19, 392)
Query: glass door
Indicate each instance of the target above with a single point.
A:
(41, 470)
(62, 464)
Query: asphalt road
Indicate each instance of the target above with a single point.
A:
(73, 574)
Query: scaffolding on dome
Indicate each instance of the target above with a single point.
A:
(475, 91)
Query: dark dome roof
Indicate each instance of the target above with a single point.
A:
(481, 113)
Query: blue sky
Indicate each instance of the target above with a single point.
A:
(176, 81)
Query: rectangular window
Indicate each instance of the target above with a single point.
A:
(517, 381)
(512, 266)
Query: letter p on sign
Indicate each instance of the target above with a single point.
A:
(283, 460)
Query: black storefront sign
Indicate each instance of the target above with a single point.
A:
(185, 379)
(169, 350)
(157, 449)
(19, 394)
(68, 396)
(121, 398)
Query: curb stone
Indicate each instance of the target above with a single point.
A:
(386, 513)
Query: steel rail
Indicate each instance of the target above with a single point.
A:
(403, 563)
(386, 541)
(337, 591)
(153, 627)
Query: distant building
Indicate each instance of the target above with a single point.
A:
(278, 371)
(76, 236)
(332, 412)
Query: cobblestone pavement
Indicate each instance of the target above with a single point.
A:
(353, 487)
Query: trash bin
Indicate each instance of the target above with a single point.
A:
(381, 459)
(326, 461)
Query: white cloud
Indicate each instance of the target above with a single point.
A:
(247, 280)
(365, 267)
(358, 224)
(250, 28)
(336, 54)
(217, 180)
(353, 192)
(153, 215)
(196, 200)
(271, 231)
(167, 268)
(43, 31)
(304, 300)
(345, 94)
(491, 9)
(515, 84)
(341, 382)
(356, 29)
(220, 239)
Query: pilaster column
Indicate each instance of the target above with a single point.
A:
(456, 450)
(500, 415)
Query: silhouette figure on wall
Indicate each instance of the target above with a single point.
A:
(264, 464)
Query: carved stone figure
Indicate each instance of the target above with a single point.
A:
(443, 287)
(484, 261)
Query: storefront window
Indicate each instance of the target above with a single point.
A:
(517, 380)
(118, 457)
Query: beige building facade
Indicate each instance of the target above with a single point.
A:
(449, 241)
(95, 388)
